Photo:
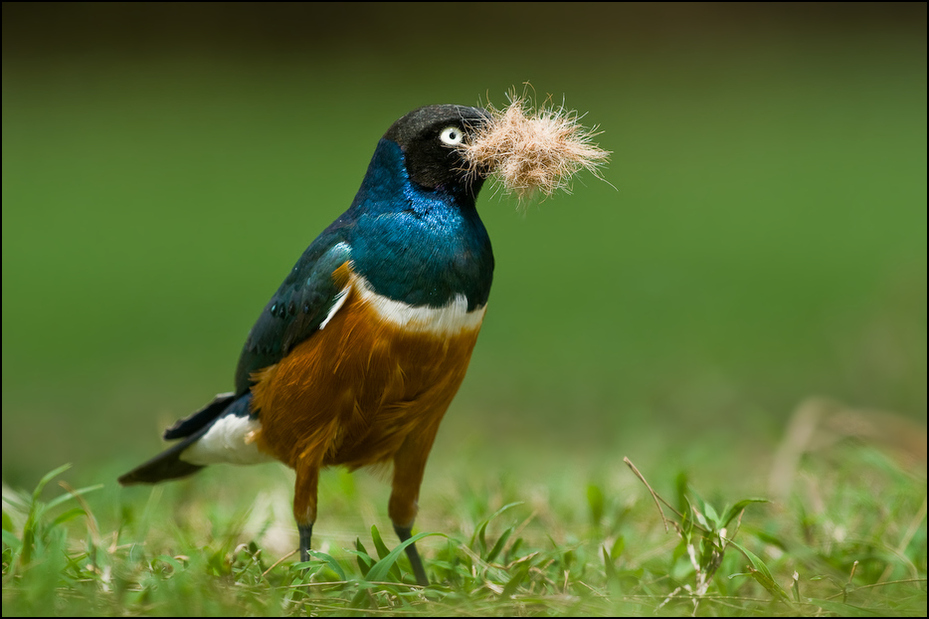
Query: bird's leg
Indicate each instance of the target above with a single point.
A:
(409, 465)
(305, 505)
(306, 534)
(404, 533)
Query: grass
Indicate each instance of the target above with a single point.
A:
(852, 542)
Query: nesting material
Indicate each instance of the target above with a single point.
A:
(532, 151)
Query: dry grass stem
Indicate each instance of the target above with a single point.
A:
(532, 151)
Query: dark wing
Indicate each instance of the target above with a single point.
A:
(298, 307)
(193, 423)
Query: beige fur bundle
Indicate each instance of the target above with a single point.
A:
(534, 150)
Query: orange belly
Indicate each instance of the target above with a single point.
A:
(356, 390)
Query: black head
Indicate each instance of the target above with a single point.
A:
(429, 137)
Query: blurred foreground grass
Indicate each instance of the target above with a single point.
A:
(851, 541)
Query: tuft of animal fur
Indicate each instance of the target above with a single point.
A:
(532, 151)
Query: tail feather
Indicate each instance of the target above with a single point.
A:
(168, 464)
(187, 426)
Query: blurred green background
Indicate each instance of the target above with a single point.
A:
(165, 165)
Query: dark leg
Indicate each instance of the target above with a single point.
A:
(404, 533)
(306, 533)
(305, 506)
(409, 465)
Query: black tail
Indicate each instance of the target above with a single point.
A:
(168, 464)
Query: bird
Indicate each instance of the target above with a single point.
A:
(357, 356)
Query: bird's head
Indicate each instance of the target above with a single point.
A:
(431, 139)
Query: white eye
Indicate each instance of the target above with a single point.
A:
(451, 136)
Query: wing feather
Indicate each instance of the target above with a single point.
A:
(298, 308)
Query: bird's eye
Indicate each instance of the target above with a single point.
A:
(451, 136)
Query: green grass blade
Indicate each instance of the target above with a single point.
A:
(762, 574)
(330, 562)
(70, 495)
(499, 545)
(365, 561)
(71, 514)
(595, 502)
(9, 539)
(379, 571)
(379, 545)
(47, 478)
(383, 551)
(736, 509)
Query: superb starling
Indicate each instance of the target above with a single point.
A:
(358, 354)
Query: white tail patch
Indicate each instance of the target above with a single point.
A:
(230, 439)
